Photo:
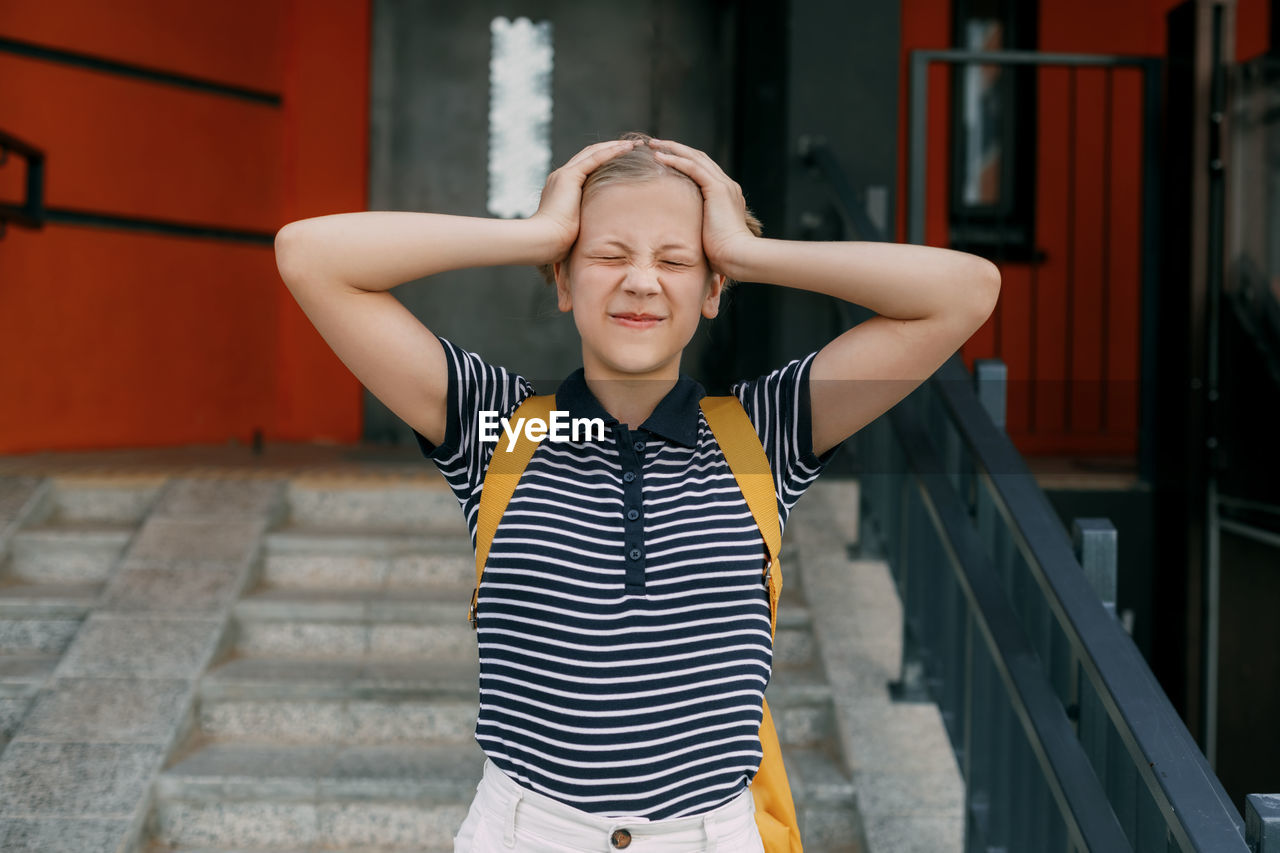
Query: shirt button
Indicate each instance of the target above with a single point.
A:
(633, 554)
(633, 514)
(629, 476)
(621, 839)
(639, 446)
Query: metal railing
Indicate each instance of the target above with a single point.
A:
(1075, 260)
(1065, 738)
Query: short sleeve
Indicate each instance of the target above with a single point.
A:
(475, 386)
(778, 405)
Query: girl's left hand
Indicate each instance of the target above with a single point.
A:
(724, 208)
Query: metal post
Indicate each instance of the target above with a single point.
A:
(1262, 822)
(1094, 541)
(990, 380)
(1222, 46)
(1152, 229)
(919, 146)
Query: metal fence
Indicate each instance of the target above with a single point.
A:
(1066, 740)
(1087, 257)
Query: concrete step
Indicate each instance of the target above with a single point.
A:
(427, 623)
(801, 704)
(37, 635)
(793, 644)
(74, 552)
(22, 499)
(21, 677)
(42, 618)
(117, 500)
(825, 800)
(349, 702)
(395, 797)
(337, 503)
(322, 559)
(52, 600)
(23, 674)
(13, 710)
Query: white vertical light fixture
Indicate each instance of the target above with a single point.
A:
(519, 115)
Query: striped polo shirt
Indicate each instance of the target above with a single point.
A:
(623, 616)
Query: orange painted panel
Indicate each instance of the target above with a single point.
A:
(235, 42)
(137, 340)
(1068, 329)
(111, 338)
(1082, 330)
(925, 24)
(1015, 340)
(326, 135)
(140, 149)
(1047, 361)
(1123, 369)
(937, 231)
(1253, 28)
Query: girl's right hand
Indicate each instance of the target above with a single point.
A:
(562, 196)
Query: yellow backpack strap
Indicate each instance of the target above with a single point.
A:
(775, 809)
(741, 446)
(505, 469)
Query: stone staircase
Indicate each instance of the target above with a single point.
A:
(58, 546)
(337, 704)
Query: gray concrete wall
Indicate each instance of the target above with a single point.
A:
(842, 87)
(654, 66)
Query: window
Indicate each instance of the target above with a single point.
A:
(993, 133)
(519, 115)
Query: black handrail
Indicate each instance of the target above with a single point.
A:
(1165, 755)
(30, 213)
(1091, 823)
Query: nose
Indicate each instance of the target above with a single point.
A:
(641, 280)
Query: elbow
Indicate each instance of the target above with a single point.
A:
(290, 252)
(987, 288)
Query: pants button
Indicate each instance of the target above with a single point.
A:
(621, 839)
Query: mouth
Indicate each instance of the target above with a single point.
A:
(636, 321)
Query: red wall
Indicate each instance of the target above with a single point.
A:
(118, 338)
(114, 338)
(1068, 329)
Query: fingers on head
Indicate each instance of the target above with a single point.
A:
(682, 150)
(601, 151)
(689, 166)
(690, 159)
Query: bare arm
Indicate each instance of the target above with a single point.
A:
(376, 251)
(340, 268)
(929, 301)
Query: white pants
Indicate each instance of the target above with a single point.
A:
(505, 816)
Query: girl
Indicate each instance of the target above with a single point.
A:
(623, 625)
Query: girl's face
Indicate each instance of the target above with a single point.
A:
(637, 280)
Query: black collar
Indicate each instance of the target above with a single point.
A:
(675, 418)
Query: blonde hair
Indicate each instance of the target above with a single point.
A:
(634, 167)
